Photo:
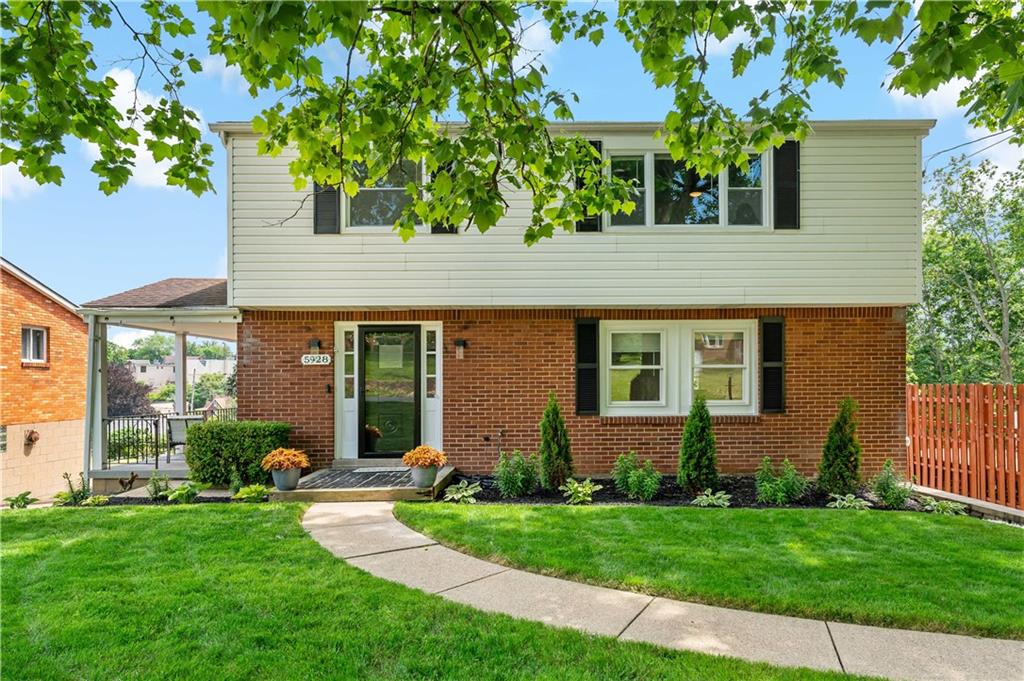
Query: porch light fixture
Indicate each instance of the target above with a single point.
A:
(460, 347)
(314, 346)
(696, 194)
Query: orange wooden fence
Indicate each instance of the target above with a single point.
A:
(968, 440)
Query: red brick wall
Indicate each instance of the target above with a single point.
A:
(37, 393)
(515, 357)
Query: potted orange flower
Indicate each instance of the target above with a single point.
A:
(285, 465)
(424, 461)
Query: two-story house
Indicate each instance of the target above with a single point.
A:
(775, 291)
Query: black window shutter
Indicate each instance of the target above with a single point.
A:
(326, 210)
(773, 367)
(591, 223)
(587, 369)
(445, 228)
(787, 186)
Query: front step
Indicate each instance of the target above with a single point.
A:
(319, 494)
(349, 464)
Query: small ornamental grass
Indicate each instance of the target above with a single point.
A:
(781, 489)
(424, 456)
(285, 459)
(635, 480)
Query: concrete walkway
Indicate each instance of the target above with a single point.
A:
(368, 536)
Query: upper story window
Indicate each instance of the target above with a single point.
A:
(382, 204)
(33, 344)
(668, 194)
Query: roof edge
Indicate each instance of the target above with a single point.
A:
(39, 286)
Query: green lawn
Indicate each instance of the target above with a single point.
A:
(241, 592)
(912, 570)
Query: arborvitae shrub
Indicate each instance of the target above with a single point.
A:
(698, 458)
(555, 452)
(839, 470)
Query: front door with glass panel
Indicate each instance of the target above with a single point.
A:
(389, 390)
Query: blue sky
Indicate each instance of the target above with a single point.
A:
(87, 245)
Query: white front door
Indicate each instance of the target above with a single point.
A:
(361, 411)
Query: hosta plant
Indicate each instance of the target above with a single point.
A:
(576, 492)
(23, 500)
(251, 493)
(709, 499)
(462, 493)
(849, 501)
(284, 460)
(424, 456)
(187, 491)
(943, 506)
(96, 500)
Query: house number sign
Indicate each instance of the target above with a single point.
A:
(315, 360)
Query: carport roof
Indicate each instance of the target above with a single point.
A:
(169, 293)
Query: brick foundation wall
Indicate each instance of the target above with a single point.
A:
(515, 357)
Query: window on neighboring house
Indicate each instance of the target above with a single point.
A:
(33, 344)
(719, 365)
(631, 168)
(142, 368)
(635, 371)
(746, 194)
(382, 204)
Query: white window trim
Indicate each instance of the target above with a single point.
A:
(649, 227)
(46, 345)
(662, 368)
(677, 367)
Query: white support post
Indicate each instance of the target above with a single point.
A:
(94, 453)
(90, 387)
(180, 356)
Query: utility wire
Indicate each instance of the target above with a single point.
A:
(924, 168)
(964, 144)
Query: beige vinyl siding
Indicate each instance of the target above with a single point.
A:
(859, 243)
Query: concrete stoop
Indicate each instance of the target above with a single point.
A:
(316, 487)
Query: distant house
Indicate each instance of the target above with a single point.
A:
(43, 346)
(156, 374)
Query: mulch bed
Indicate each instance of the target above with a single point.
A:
(741, 488)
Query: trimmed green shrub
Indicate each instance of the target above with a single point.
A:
(889, 487)
(698, 453)
(555, 451)
(516, 475)
(839, 470)
(217, 449)
(781, 489)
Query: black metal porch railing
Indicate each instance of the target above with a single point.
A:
(142, 438)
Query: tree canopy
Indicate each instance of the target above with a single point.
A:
(970, 325)
(416, 73)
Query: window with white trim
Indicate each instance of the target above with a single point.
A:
(669, 194)
(430, 374)
(349, 360)
(33, 344)
(382, 204)
(658, 370)
(635, 370)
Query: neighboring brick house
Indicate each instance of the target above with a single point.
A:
(42, 372)
(776, 291)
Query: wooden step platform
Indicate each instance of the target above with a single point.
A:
(364, 484)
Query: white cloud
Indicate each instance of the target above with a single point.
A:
(14, 185)
(231, 79)
(535, 43)
(147, 172)
(125, 337)
(718, 48)
(939, 103)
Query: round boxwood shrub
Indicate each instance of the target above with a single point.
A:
(218, 449)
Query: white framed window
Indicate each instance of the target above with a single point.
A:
(635, 369)
(348, 353)
(430, 368)
(379, 207)
(669, 195)
(657, 370)
(33, 344)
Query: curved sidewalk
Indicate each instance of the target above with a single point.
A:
(368, 536)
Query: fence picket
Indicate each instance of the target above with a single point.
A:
(968, 440)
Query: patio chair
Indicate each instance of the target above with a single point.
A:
(177, 427)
